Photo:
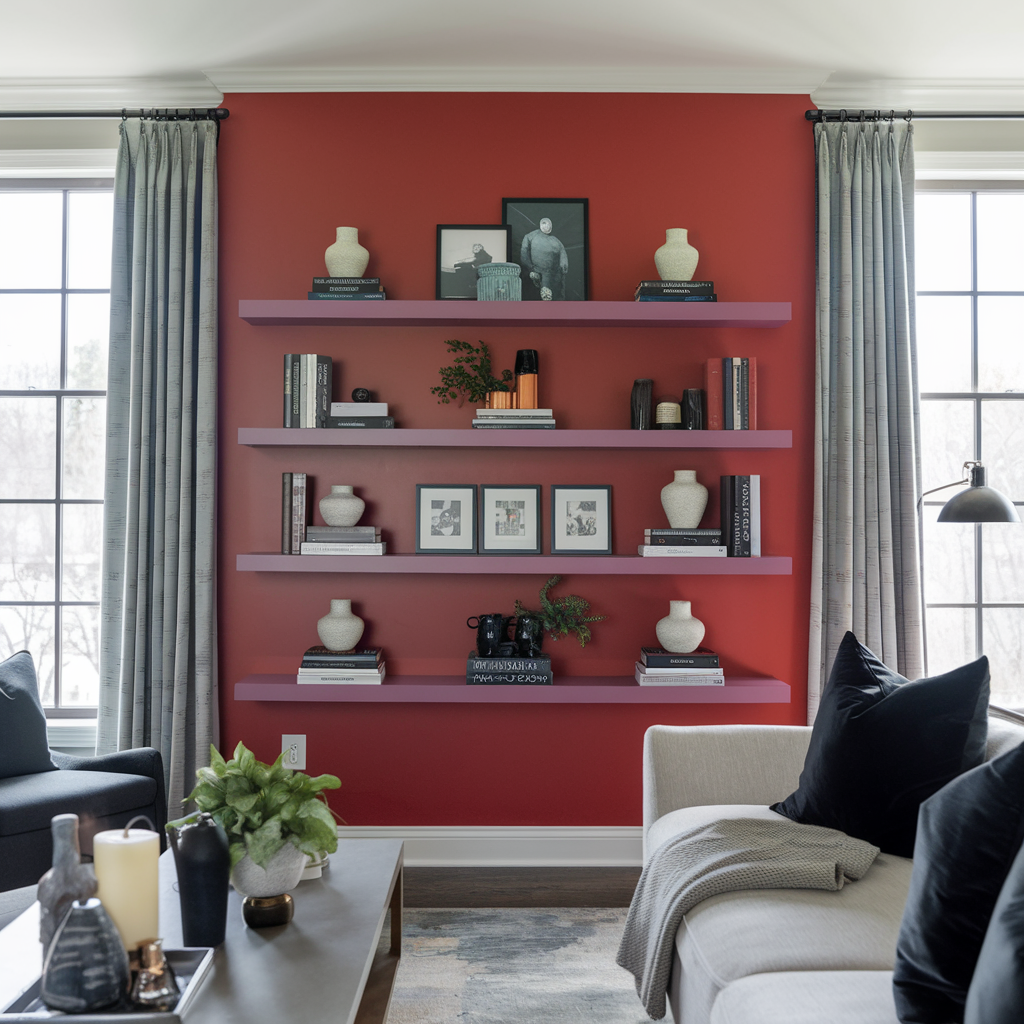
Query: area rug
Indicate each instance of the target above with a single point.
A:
(513, 967)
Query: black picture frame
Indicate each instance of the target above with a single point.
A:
(430, 536)
(507, 537)
(569, 227)
(577, 530)
(457, 256)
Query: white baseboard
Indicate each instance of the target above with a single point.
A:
(510, 845)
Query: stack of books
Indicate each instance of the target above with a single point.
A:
(675, 291)
(514, 419)
(508, 671)
(731, 387)
(343, 540)
(307, 390)
(668, 543)
(293, 512)
(741, 515)
(347, 288)
(658, 667)
(362, 415)
(346, 668)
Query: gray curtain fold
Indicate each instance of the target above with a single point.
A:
(866, 559)
(158, 643)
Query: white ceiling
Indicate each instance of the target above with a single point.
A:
(919, 53)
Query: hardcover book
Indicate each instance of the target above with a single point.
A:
(509, 679)
(343, 296)
(658, 657)
(681, 551)
(474, 663)
(363, 422)
(366, 281)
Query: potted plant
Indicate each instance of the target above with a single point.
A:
(275, 818)
(563, 615)
(470, 376)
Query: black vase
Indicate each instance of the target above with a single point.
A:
(640, 404)
(203, 861)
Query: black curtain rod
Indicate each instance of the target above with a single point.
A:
(148, 113)
(910, 115)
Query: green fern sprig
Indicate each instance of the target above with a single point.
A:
(470, 376)
(563, 615)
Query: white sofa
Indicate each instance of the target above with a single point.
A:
(775, 956)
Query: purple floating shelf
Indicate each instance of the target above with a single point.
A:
(493, 565)
(426, 313)
(571, 690)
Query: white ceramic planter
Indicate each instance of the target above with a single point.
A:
(341, 507)
(340, 630)
(676, 260)
(346, 258)
(282, 873)
(684, 500)
(679, 632)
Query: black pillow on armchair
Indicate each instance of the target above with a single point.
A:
(882, 744)
(23, 747)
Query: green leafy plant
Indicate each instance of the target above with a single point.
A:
(262, 807)
(470, 375)
(563, 615)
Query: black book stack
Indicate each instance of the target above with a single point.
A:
(512, 671)
(343, 540)
(669, 543)
(741, 516)
(342, 668)
(675, 291)
(347, 288)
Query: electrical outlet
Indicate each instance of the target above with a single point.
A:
(294, 748)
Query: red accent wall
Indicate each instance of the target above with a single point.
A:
(738, 172)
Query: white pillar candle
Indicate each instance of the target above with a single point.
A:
(127, 870)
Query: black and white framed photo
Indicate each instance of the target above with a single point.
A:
(461, 249)
(446, 519)
(581, 520)
(510, 520)
(549, 241)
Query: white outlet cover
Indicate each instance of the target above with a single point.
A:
(294, 747)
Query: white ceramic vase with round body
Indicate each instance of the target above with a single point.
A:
(340, 630)
(341, 507)
(684, 500)
(676, 260)
(679, 632)
(282, 873)
(347, 258)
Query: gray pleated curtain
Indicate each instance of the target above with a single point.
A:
(158, 651)
(866, 565)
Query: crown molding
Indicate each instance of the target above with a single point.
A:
(57, 163)
(86, 94)
(921, 94)
(518, 79)
(951, 165)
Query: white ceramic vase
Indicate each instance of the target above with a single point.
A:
(676, 260)
(347, 258)
(341, 507)
(684, 500)
(679, 632)
(282, 873)
(340, 630)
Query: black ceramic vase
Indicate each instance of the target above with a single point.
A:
(641, 404)
(203, 862)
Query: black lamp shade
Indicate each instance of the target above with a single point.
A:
(979, 504)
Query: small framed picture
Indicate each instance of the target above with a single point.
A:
(510, 520)
(446, 519)
(581, 520)
(461, 248)
(549, 241)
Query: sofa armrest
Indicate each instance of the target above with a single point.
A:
(698, 765)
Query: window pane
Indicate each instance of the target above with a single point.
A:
(1002, 561)
(80, 656)
(80, 552)
(1000, 343)
(951, 641)
(31, 226)
(942, 233)
(1004, 645)
(1002, 441)
(27, 552)
(29, 341)
(948, 560)
(85, 431)
(28, 453)
(944, 342)
(90, 230)
(947, 442)
(88, 333)
(30, 628)
(1000, 252)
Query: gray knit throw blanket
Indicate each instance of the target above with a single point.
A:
(730, 854)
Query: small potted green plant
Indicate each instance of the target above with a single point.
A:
(470, 377)
(563, 615)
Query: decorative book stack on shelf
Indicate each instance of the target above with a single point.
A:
(343, 540)
(514, 419)
(323, 666)
(741, 515)
(658, 667)
(360, 415)
(347, 288)
(731, 387)
(675, 291)
(669, 543)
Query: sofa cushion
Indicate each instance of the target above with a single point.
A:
(881, 744)
(23, 748)
(28, 802)
(808, 997)
(967, 837)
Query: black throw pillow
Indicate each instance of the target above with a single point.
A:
(23, 747)
(996, 995)
(881, 744)
(967, 837)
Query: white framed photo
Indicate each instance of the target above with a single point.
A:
(510, 520)
(446, 519)
(581, 520)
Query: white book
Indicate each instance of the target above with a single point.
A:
(374, 673)
(499, 414)
(310, 391)
(681, 551)
(316, 677)
(755, 516)
(673, 680)
(510, 422)
(303, 388)
(645, 670)
(359, 409)
(312, 547)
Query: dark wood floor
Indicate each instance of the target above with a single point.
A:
(520, 887)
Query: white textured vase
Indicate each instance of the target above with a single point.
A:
(676, 260)
(347, 258)
(340, 630)
(679, 632)
(341, 507)
(684, 500)
(282, 873)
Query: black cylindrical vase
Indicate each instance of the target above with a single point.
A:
(693, 409)
(203, 861)
(640, 404)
